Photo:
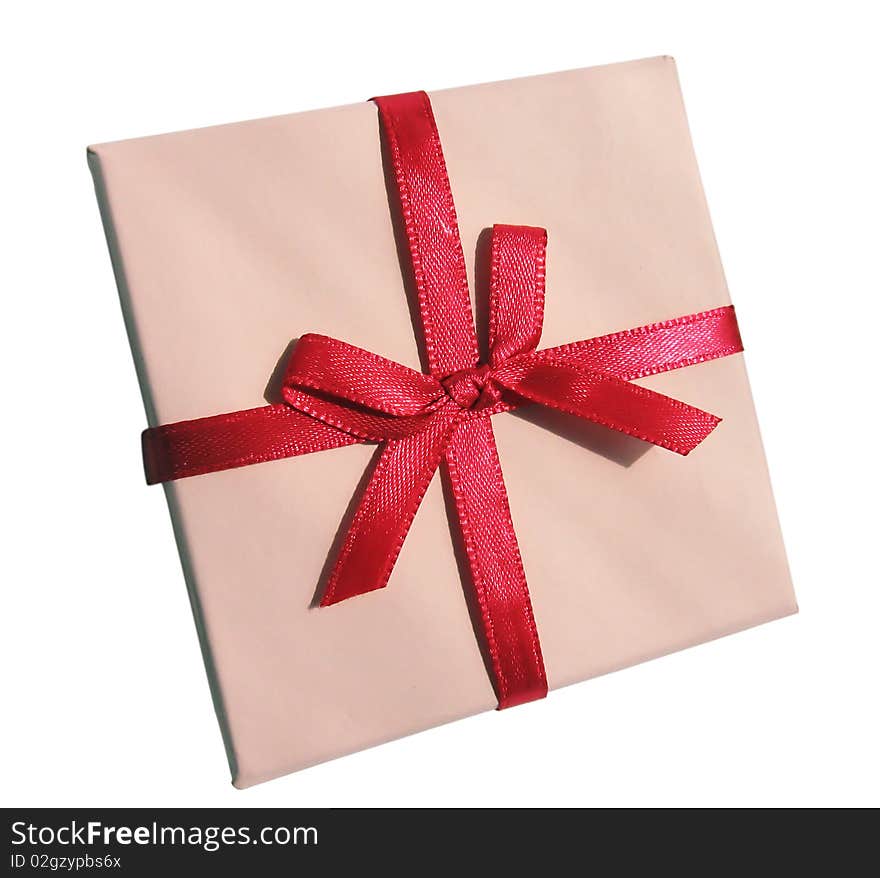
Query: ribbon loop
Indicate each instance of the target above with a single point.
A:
(359, 392)
(342, 370)
(516, 291)
(354, 419)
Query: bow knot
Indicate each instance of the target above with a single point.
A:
(473, 389)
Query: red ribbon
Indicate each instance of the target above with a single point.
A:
(336, 394)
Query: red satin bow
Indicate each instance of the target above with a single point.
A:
(337, 394)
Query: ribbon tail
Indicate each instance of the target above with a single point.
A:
(496, 567)
(612, 402)
(386, 510)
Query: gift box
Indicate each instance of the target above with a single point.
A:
(388, 520)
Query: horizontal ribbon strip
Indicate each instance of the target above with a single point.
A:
(272, 432)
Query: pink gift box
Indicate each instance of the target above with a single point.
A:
(229, 242)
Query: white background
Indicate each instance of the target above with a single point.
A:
(104, 698)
